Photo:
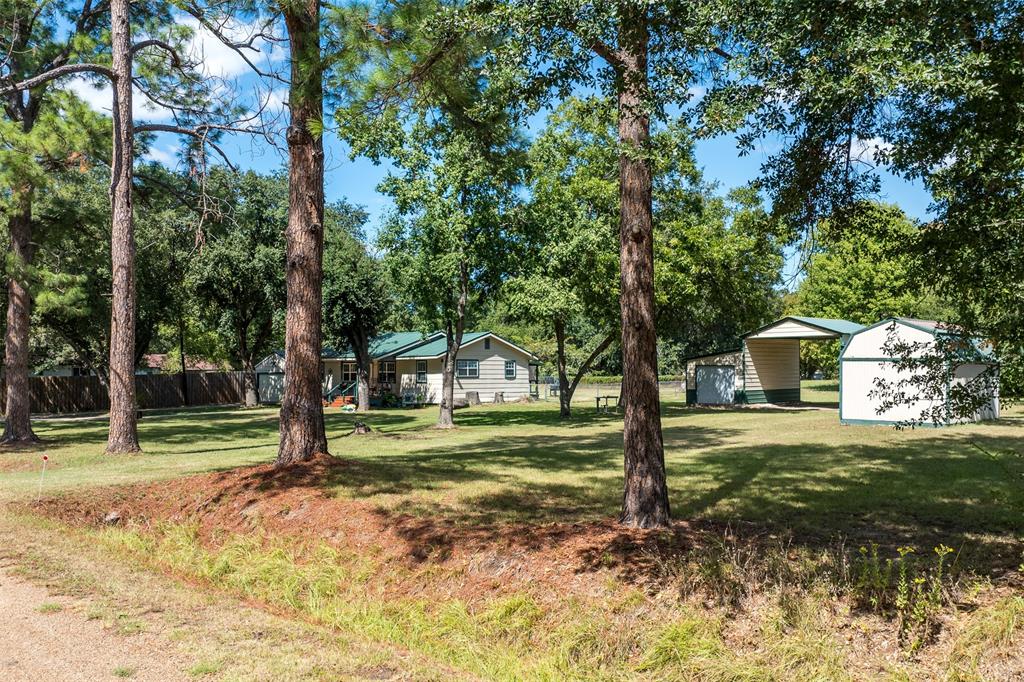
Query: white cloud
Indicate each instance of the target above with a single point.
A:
(871, 150)
(167, 156)
(696, 92)
(221, 61)
(101, 99)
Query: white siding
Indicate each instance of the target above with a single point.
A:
(859, 381)
(492, 373)
(791, 329)
(870, 343)
(330, 372)
(964, 374)
(271, 363)
(406, 379)
(771, 364)
(864, 363)
(270, 386)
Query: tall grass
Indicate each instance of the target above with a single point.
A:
(788, 604)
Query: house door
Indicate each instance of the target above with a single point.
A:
(716, 384)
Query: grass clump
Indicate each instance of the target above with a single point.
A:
(123, 672)
(992, 632)
(204, 668)
(49, 607)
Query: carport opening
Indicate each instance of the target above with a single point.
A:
(766, 368)
(771, 358)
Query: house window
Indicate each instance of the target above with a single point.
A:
(487, 344)
(421, 371)
(467, 369)
(510, 369)
(386, 373)
(348, 372)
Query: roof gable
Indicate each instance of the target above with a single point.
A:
(437, 347)
(795, 327)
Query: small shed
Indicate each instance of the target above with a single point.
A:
(877, 356)
(714, 378)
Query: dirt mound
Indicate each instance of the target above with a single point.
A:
(291, 502)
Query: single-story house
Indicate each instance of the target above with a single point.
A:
(409, 363)
(766, 368)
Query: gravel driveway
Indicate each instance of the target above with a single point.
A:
(48, 638)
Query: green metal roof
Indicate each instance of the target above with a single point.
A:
(380, 346)
(436, 347)
(831, 324)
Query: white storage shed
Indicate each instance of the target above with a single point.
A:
(871, 370)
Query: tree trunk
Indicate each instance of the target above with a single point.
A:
(361, 348)
(445, 419)
(123, 436)
(302, 412)
(184, 364)
(645, 497)
(18, 426)
(585, 367)
(564, 395)
(249, 388)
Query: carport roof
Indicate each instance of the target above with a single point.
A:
(819, 324)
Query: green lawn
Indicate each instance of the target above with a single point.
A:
(795, 469)
(825, 391)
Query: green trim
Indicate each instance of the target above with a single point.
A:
(775, 395)
(886, 422)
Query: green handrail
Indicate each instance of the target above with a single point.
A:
(341, 389)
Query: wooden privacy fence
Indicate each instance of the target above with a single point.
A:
(52, 395)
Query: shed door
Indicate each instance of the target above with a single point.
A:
(716, 384)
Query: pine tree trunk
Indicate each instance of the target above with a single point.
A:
(302, 413)
(18, 425)
(564, 394)
(123, 436)
(645, 497)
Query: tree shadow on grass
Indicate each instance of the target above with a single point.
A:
(919, 493)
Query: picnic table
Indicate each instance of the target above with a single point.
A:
(604, 403)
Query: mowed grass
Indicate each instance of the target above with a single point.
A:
(825, 487)
(799, 470)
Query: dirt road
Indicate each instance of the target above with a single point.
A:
(51, 638)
